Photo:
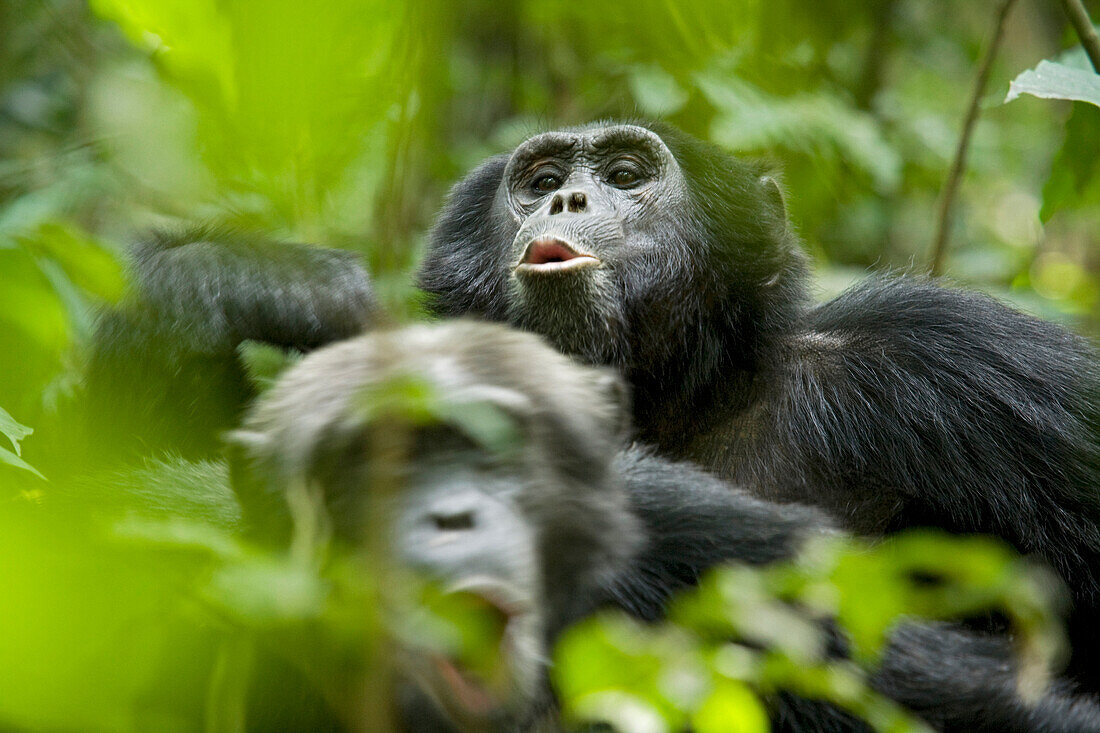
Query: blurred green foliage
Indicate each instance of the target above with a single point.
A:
(343, 122)
(745, 632)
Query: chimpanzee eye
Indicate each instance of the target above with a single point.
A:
(546, 184)
(624, 177)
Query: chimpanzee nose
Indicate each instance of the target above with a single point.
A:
(575, 202)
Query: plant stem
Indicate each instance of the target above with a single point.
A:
(1086, 31)
(947, 196)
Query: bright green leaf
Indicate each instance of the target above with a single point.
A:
(731, 707)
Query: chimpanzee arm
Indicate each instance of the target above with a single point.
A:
(958, 680)
(163, 370)
(693, 521)
(908, 404)
(963, 681)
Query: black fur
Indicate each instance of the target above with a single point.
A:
(955, 680)
(622, 529)
(900, 403)
(164, 372)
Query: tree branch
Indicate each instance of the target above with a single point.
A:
(947, 196)
(1086, 31)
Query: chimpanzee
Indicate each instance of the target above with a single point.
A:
(164, 372)
(900, 403)
(564, 523)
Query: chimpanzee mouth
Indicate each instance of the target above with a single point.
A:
(551, 255)
(472, 690)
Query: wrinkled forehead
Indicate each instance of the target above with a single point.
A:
(592, 141)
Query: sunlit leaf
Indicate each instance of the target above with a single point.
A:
(14, 432)
(267, 591)
(656, 91)
(611, 659)
(9, 458)
(731, 707)
(1050, 80)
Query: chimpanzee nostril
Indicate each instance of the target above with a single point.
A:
(577, 201)
(452, 521)
(556, 204)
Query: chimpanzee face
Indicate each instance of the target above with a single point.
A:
(595, 213)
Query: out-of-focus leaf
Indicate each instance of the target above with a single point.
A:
(263, 363)
(935, 575)
(230, 685)
(486, 424)
(13, 430)
(611, 666)
(656, 91)
(622, 711)
(76, 265)
(1074, 180)
(1050, 80)
(815, 123)
(181, 535)
(193, 37)
(463, 626)
(414, 401)
(261, 590)
(731, 707)
(6, 456)
(736, 602)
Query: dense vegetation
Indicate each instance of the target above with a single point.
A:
(343, 122)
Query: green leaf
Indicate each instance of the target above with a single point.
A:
(263, 363)
(262, 590)
(1050, 80)
(1074, 181)
(87, 262)
(656, 91)
(731, 707)
(622, 711)
(15, 432)
(414, 401)
(818, 124)
(613, 669)
(6, 456)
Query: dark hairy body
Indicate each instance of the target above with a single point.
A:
(901, 403)
(164, 371)
(570, 524)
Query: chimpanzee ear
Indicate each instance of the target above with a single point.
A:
(773, 193)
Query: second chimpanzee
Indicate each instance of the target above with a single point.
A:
(558, 523)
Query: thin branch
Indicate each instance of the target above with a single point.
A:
(1086, 31)
(947, 196)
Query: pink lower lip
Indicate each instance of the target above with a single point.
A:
(546, 250)
(551, 254)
